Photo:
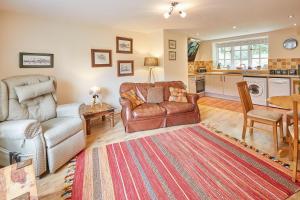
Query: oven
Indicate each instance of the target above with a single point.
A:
(200, 84)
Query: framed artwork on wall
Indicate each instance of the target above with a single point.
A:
(125, 68)
(172, 55)
(36, 60)
(124, 45)
(101, 58)
(172, 44)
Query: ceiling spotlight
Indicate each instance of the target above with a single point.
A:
(234, 27)
(295, 24)
(182, 14)
(291, 16)
(171, 9)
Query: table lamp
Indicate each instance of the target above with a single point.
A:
(96, 93)
(151, 62)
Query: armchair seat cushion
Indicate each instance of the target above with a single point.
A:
(57, 130)
(177, 107)
(148, 110)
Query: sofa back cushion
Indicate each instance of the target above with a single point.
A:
(167, 84)
(41, 107)
(141, 89)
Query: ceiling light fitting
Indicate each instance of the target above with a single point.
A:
(171, 9)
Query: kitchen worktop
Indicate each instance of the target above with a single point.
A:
(248, 74)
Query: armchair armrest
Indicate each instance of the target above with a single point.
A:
(68, 110)
(20, 129)
(126, 108)
(192, 98)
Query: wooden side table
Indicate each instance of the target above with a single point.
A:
(17, 182)
(89, 112)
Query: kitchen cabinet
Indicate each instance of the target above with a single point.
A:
(214, 84)
(229, 86)
(222, 84)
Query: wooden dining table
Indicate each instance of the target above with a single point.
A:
(285, 102)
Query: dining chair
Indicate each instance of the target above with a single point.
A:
(294, 140)
(289, 115)
(252, 115)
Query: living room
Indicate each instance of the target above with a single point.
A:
(100, 100)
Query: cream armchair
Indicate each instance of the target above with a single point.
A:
(34, 126)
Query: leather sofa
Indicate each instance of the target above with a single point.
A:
(34, 126)
(151, 116)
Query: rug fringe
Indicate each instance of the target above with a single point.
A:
(273, 158)
(69, 179)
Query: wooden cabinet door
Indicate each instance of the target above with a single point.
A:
(230, 88)
(214, 84)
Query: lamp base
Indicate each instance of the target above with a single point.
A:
(151, 75)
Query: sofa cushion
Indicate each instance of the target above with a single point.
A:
(167, 84)
(133, 98)
(177, 94)
(57, 130)
(31, 91)
(155, 95)
(148, 110)
(177, 107)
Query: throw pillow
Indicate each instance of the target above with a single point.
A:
(177, 95)
(133, 98)
(155, 95)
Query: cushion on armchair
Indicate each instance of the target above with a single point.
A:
(27, 92)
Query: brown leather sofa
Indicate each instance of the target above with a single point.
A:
(151, 116)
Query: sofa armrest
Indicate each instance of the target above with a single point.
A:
(126, 108)
(192, 98)
(68, 110)
(20, 129)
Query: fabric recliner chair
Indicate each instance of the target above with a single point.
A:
(34, 126)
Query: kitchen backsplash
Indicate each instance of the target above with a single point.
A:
(279, 63)
(284, 63)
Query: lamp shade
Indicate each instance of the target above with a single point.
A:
(151, 61)
(95, 90)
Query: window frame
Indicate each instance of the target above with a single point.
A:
(245, 42)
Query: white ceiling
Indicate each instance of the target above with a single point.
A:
(211, 19)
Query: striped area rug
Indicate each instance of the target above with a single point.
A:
(189, 163)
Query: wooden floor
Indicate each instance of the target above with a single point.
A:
(221, 114)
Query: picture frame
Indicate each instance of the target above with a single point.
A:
(125, 68)
(172, 55)
(172, 44)
(101, 58)
(36, 60)
(124, 45)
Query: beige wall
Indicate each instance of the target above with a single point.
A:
(176, 70)
(71, 44)
(276, 49)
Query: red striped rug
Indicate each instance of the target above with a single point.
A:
(189, 163)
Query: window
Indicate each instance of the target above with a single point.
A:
(242, 54)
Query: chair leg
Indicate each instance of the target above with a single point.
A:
(275, 137)
(281, 130)
(290, 148)
(288, 123)
(244, 129)
(295, 160)
(251, 127)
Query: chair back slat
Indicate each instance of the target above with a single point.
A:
(245, 96)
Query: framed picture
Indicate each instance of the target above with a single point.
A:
(172, 55)
(124, 45)
(172, 44)
(36, 60)
(101, 58)
(125, 68)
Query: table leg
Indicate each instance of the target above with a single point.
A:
(87, 126)
(112, 120)
(103, 117)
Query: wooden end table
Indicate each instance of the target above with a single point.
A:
(89, 112)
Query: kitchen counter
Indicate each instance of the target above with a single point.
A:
(252, 74)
